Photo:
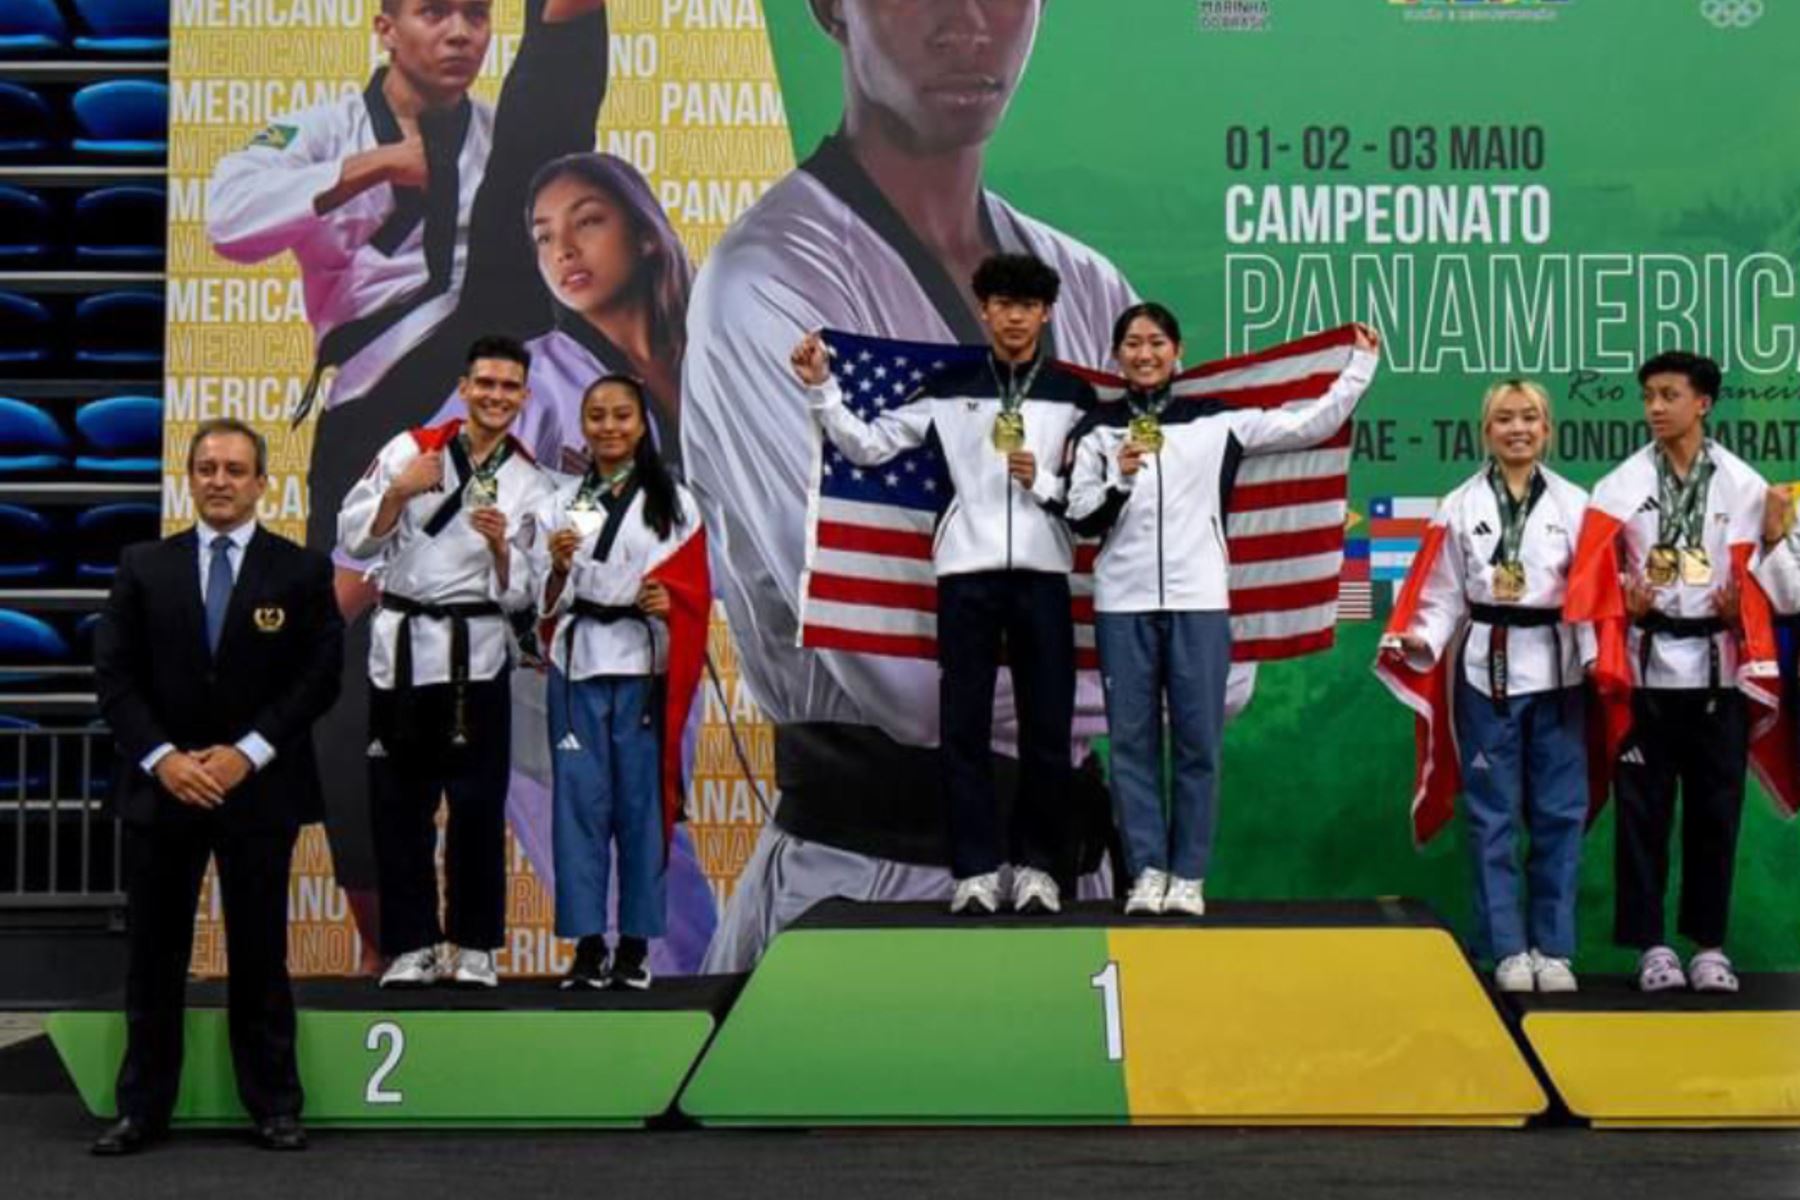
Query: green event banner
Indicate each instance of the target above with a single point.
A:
(1554, 189)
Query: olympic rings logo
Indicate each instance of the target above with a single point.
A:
(1732, 14)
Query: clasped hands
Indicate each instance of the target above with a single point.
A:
(203, 778)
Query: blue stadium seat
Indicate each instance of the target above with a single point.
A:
(119, 225)
(30, 441)
(27, 126)
(25, 547)
(32, 27)
(119, 329)
(121, 435)
(25, 227)
(84, 642)
(126, 118)
(26, 642)
(103, 532)
(24, 331)
(124, 26)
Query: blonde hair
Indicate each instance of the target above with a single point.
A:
(1508, 387)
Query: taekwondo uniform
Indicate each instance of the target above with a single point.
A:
(1485, 593)
(439, 654)
(608, 703)
(1161, 600)
(1678, 681)
(384, 268)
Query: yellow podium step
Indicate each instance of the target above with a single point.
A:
(1621, 1059)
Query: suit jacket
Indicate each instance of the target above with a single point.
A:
(276, 672)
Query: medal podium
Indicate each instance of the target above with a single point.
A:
(1362, 1013)
(1623, 1060)
(526, 1054)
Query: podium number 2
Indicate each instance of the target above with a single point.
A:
(1107, 984)
(395, 1037)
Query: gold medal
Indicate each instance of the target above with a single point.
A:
(1662, 566)
(1009, 431)
(1696, 567)
(1146, 431)
(1509, 581)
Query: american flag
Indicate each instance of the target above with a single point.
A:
(869, 584)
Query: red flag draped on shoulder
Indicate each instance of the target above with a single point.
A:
(1774, 754)
(1596, 595)
(684, 575)
(1437, 776)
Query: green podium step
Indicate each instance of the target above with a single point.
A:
(525, 1054)
(1335, 1013)
(1621, 1059)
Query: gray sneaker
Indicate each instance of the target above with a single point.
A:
(472, 969)
(978, 895)
(1185, 897)
(414, 969)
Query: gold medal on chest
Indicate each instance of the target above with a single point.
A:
(1509, 581)
(1146, 431)
(1662, 566)
(1696, 567)
(1009, 431)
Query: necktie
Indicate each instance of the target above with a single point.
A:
(218, 590)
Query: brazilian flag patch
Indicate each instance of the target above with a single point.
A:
(276, 137)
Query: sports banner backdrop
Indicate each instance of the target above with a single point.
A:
(1553, 189)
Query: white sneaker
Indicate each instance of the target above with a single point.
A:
(978, 895)
(1185, 896)
(1513, 973)
(414, 969)
(472, 968)
(1147, 893)
(1035, 892)
(1552, 974)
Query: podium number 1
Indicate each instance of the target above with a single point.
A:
(384, 1031)
(1107, 984)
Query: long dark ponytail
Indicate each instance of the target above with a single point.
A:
(662, 503)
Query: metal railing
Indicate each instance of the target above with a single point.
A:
(60, 845)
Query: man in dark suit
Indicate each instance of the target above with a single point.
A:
(218, 650)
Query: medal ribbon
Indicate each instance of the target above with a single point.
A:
(594, 485)
(1012, 392)
(1151, 404)
(485, 473)
(1682, 518)
(1513, 513)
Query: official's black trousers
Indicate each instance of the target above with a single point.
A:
(416, 768)
(1699, 741)
(166, 863)
(1027, 613)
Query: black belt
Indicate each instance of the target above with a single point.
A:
(606, 614)
(459, 615)
(1654, 624)
(1505, 617)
